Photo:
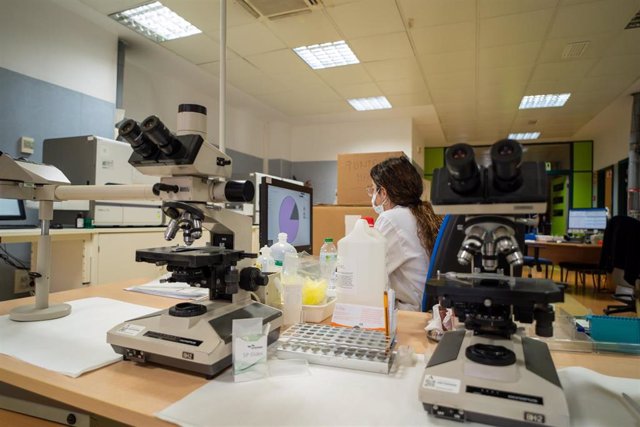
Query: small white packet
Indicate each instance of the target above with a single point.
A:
(443, 320)
(249, 349)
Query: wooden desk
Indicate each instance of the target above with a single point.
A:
(566, 252)
(132, 393)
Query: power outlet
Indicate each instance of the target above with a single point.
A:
(21, 282)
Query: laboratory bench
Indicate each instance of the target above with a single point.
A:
(132, 393)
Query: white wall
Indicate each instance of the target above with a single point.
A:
(325, 141)
(41, 40)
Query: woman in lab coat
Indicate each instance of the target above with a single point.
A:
(409, 225)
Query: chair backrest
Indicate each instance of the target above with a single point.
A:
(619, 247)
(444, 257)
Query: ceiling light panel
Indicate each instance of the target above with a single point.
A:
(156, 21)
(524, 135)
(372, 103)
(544, 101)
(327, 55)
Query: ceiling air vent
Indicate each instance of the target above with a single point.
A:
(575, 50)
(275, 9)
(634, 23)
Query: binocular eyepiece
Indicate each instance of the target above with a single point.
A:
(149, 137)
(466, 176)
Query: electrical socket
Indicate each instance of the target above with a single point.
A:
(21, 282)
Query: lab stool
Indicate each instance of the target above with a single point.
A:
(530, 261)
(580, 274)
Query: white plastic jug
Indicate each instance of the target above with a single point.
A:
(361, 276)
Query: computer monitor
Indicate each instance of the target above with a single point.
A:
(12, 210)
(587, 219)
(285, 208)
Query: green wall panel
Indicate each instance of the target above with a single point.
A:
(433, 159)
(583, 156)
(582, 189)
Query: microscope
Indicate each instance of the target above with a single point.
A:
(194, 336)
(490, 372)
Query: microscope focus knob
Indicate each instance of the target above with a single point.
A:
(251, 278)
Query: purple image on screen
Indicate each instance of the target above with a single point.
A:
(289, 218)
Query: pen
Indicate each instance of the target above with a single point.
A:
(633, 403)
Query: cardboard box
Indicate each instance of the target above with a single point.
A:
(353, 175)
(329, 221)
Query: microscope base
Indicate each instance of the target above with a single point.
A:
(200, 344)
(31, 313)
(525, 393)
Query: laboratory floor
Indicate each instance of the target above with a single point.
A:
(595, 301)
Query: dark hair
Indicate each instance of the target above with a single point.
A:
(404, 187)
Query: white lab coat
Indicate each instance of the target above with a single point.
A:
(407, 261)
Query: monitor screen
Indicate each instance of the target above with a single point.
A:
(12, 210)
(285, 208)
(587, 219)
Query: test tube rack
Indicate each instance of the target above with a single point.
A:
(341, 347)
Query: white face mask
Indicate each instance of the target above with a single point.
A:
(377, 208)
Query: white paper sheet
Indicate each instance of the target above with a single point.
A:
(340, 397)
(71, 345)
(177, 290)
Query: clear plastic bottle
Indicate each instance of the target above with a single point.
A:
(328, 258)
(279, 249)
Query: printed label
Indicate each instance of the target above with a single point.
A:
(433, 382)
(345, 283)
(107, 164)
(130, 329)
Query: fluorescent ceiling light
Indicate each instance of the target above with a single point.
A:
(327, 55)
(155, 21)
(544, 101)
(524, 135)
(373, 103)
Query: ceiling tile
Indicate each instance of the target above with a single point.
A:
(539, 87)
(367, 18)
(423, 13)
(381, 47)
(615, 65)
(400, 87)
(504, 76)
(512, 55)
(625, 43)
(347, 75)
(409, 99)
(305, 29)
(298, 80)
(491, 8)
(362, 90)
(278, 62)
(512, 29)
(198, 49)
(592, 18)
(252, 38)
(444, 38)
(599, 44)
(113, 6)
(205, 14)
(404, 68)
(446, 63)
(562, 71)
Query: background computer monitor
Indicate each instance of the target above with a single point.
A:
(587, 219)
(12, 210)
(286, 207)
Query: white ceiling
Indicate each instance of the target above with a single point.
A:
(458, 67)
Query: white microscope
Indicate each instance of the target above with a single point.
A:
(193, 177)
(491, 373)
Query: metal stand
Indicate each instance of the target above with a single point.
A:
(41, 310)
